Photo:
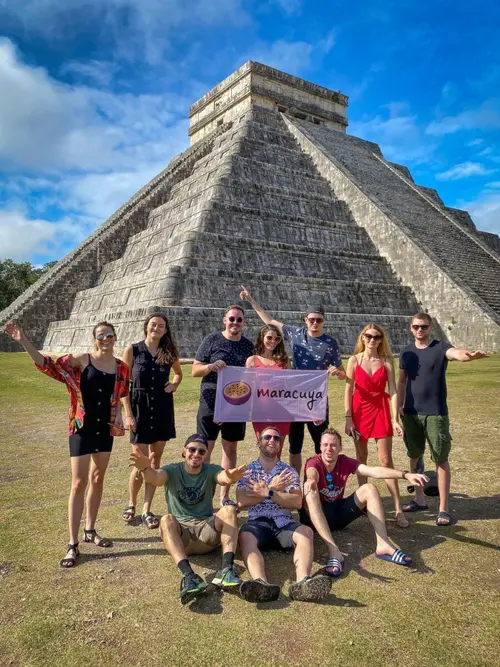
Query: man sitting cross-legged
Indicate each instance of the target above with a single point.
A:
(326, 509)
(190, 527)
(270, 489)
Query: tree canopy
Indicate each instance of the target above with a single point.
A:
(15, 277)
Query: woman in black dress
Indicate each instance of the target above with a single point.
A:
(96, 383)
(149, 411)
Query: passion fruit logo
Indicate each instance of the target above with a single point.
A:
(237, 393)
(313, 396)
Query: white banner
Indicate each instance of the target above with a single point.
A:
(270, 395)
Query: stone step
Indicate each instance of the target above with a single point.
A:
(191, 325)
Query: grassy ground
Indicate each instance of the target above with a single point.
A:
(121, 608)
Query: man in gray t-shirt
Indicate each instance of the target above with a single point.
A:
(312, 350)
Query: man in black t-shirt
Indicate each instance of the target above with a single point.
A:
(217, 350)
(422, 397)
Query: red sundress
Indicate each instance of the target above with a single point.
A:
(371, 411)
(283, 427)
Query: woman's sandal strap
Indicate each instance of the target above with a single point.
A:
(90, 535)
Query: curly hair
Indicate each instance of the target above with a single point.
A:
(167, 349)
(383, 349)
(279, 353)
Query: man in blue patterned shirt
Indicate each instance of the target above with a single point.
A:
(312, 350)
(271, 489)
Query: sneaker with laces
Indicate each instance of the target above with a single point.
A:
(258, 590)
(227, 579)
(192, 585)
(311, 589)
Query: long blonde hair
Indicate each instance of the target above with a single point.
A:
(383, 349)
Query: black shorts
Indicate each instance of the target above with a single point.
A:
(82, 443)
(296, 437)
(230, 431)
(269, 536)
(339, 514)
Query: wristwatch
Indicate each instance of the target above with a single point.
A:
(404, 473)
(270, 494)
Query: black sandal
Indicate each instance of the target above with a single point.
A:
(128, 514)
(70, 561)
(92, 536)
(150, 520)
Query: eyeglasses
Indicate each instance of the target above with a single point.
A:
(271, 338)
(424, 327)
(271, 437)
(329, 479)
(235, 319)
(106, 336)
(370, 337)
(315, 320)
(197, 450)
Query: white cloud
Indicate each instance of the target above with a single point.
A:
(464, 170)
(485, 211)
(21, 237)
(398, 134)
(485, 118)
(95, 71)
(290, 57)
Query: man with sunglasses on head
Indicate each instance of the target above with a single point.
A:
(312, 350)
(422, 395)
(191, 527)
(326, 509)
(218, 350)
(270, 490)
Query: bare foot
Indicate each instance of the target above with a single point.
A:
(401, 520)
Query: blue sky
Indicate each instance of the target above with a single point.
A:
(94, 96)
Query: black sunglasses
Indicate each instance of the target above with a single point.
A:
(196, 450)
(271, 437)
(370, 337)
(235, 319)
(424, 327)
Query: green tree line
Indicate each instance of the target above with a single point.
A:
(15, 277)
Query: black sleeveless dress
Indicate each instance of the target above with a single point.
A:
(152, 406)
(97, 390)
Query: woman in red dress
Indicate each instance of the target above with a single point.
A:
(367, 409)
(270, 353)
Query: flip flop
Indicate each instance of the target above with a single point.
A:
(444, 515)
(398, 558)
(414, 507)
(333, 567)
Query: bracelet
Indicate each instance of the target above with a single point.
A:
(403, 474)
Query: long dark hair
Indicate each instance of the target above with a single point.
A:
(279, 353)
(167, 349)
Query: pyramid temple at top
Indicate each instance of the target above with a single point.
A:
(273, 194)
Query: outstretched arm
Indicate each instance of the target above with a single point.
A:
(231, 476)
(454, 354)
(15, 332)
(264, 315)
(378, 472)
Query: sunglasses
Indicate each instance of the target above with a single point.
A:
(424, 327)
(370, 337)
(329, 479)
(106, 336)
(235, 319)
(197, 450)
(271, 437)
(315, 320)
(270, 338)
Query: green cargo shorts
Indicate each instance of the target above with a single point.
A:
(433, 428)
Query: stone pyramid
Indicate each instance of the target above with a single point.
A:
(273, 194)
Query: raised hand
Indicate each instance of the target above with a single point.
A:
(235, 474)
(476, 355)
(138, 459)
(14, 331)
(282, 481)
(245, 294)
(416, 479)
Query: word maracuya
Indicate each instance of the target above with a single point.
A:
(295, 393)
